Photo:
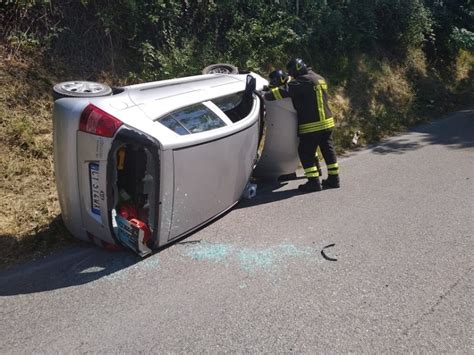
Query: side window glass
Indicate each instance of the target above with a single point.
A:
(198, 118)
(192, 119)
(174, 125)
(236, 106)
(228, 102)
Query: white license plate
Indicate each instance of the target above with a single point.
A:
(94, 182)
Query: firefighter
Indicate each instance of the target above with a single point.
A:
(279, 78)
(308, 92)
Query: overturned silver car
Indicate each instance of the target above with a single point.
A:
(144, 165)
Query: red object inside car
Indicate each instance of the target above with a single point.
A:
(128, 211)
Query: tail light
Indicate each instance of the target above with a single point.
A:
(98, 122)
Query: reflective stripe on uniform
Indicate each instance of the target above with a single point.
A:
(311, 172)
(333, 169)
(316, 126)
(324, 122)
(276, 93)
(319, 96)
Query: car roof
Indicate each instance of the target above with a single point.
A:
(140, 105)
(199, 85)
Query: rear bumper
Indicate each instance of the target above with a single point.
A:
(66, 122)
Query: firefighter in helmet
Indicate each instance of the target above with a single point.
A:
(277, 78)
(308, 92)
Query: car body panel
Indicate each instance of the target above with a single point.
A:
(166, 197)
(184, 89)
(220, 177)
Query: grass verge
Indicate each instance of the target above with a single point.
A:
(29, 211)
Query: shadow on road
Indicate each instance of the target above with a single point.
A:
(444, 132)
(398, 146)
(72, 267)
(266, 193)
(441, 132)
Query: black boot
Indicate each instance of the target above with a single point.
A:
(312, 185)
(332, 182)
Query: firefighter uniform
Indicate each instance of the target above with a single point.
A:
(315, 123)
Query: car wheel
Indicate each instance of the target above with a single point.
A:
(220, 68)
(80, 89)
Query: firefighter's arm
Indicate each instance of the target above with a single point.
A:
(277, 93)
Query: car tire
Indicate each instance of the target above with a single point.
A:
(80, 89)
(220, 68)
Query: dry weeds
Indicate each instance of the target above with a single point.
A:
(29, 209)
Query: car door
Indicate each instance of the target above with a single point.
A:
(210, 175)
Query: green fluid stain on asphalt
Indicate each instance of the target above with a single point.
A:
(292, 250)
(211, 252)
(152, 262)
(249, 259)
(253, 260)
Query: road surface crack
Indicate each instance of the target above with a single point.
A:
(433, 308)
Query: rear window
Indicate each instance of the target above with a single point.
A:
(192, 119)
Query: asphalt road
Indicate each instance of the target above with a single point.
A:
(255, 280)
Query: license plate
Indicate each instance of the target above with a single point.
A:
(94, 182)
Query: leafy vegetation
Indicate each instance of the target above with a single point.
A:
(390, 64)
